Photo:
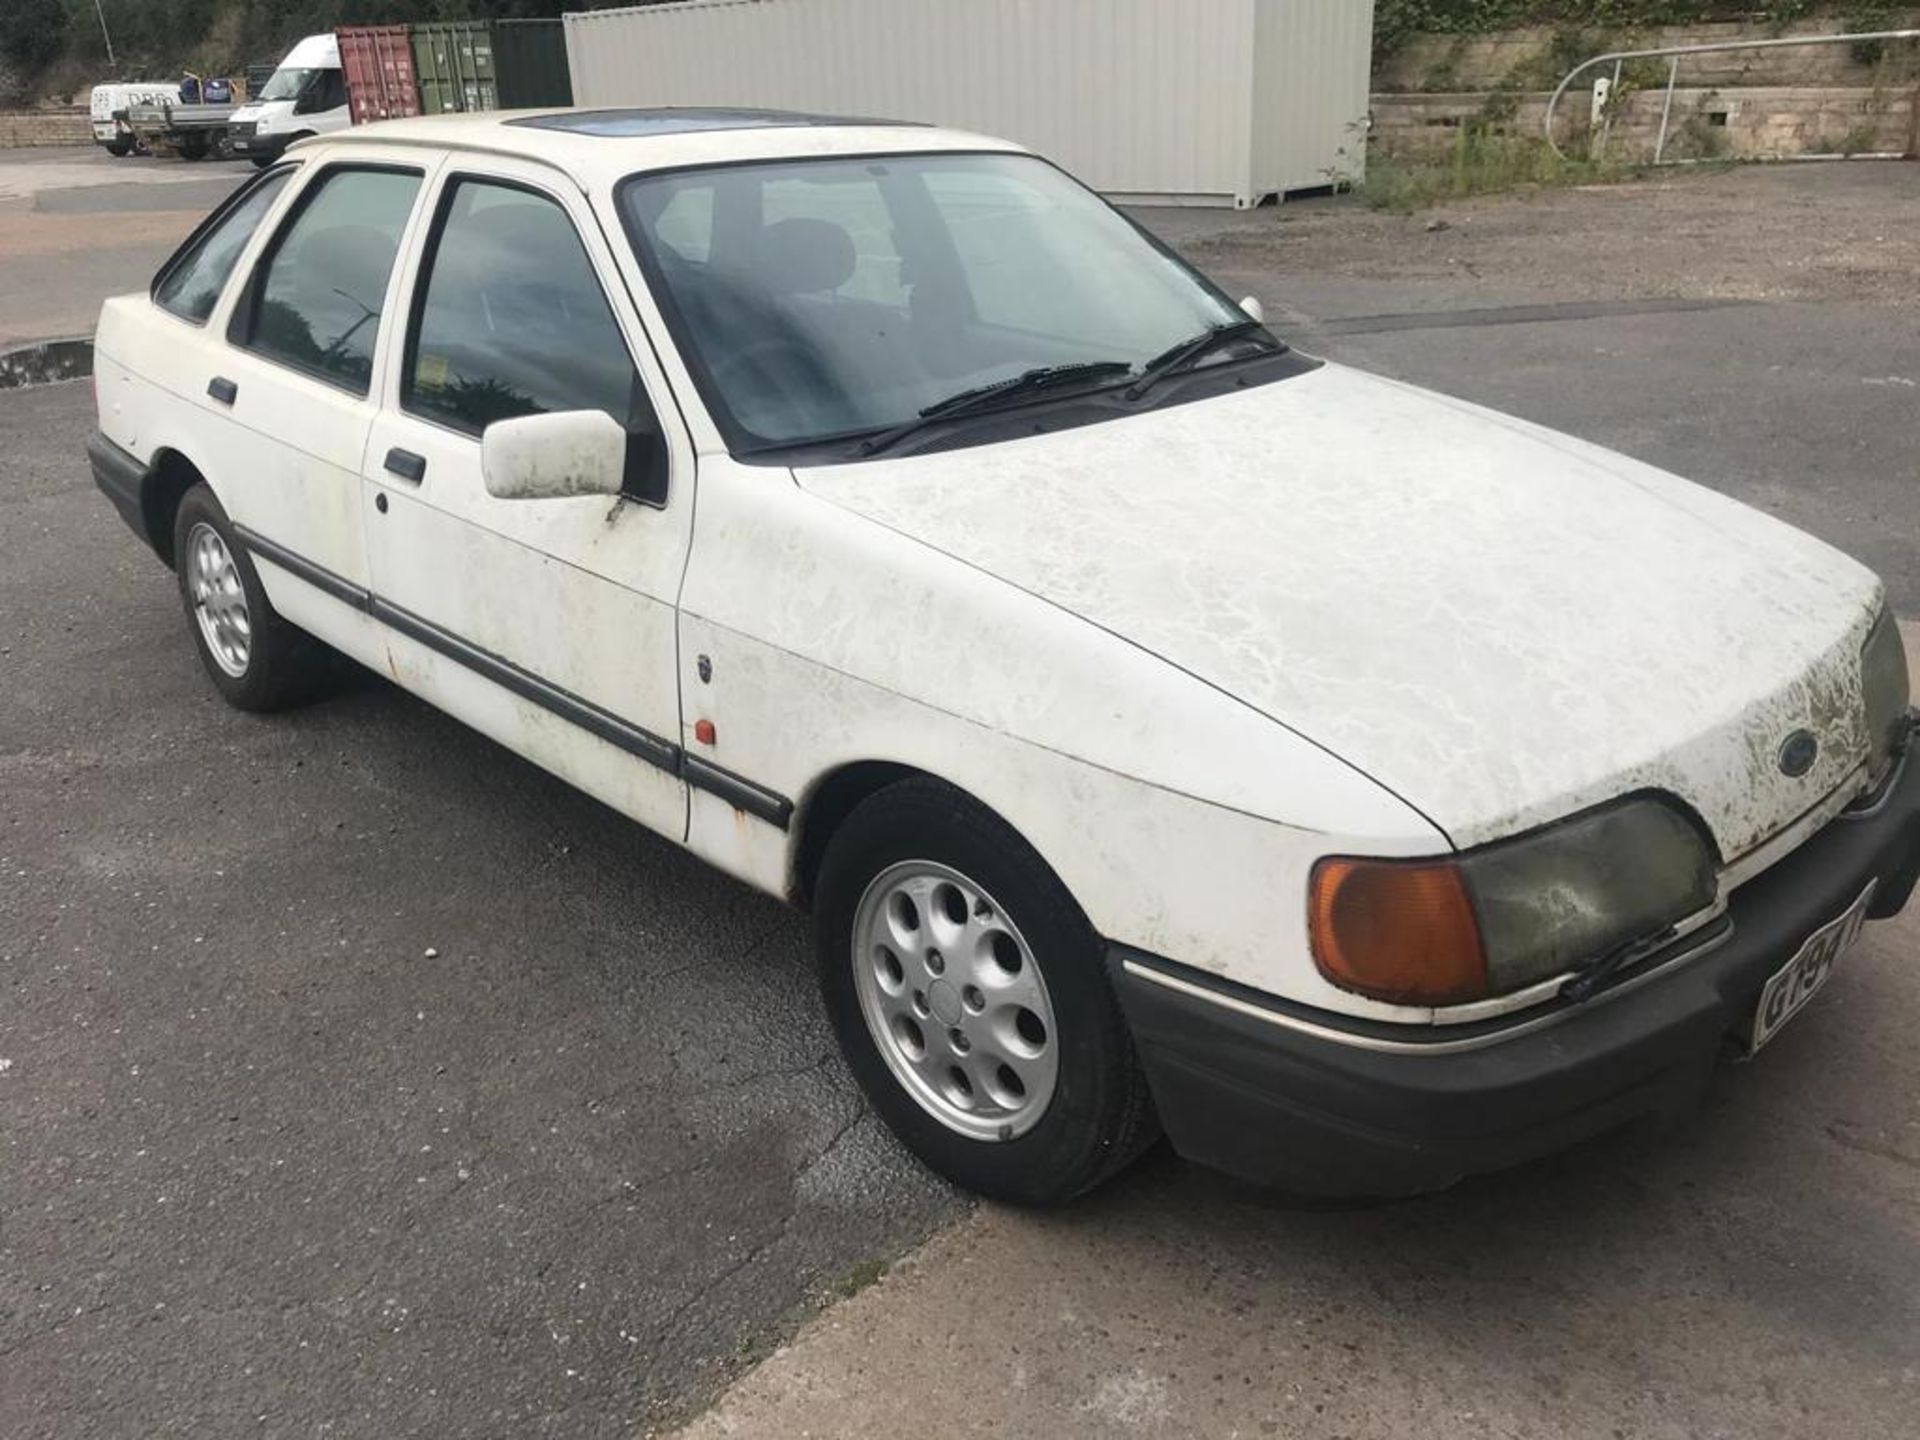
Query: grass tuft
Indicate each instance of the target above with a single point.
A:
(863, 1274)
(1481, 163)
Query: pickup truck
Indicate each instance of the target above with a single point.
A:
(1167, 730)
(191, 129)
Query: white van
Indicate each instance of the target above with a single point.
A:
(306, 96)
(107, 111)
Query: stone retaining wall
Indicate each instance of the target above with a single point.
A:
(1757, 122)
(44, 127)
(1526, 59)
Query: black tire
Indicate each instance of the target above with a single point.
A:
(1100, 1117)
(261, 162)
(284, 665)
(119, 149)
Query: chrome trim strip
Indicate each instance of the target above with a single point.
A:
(1881, 794)
(1795, 833)
(1384, 1046)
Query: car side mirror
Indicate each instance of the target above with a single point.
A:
(1254, 310)
(547, 457)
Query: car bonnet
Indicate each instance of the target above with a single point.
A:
(1499, 623)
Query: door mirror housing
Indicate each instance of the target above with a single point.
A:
(548, 457)
(1254, 310)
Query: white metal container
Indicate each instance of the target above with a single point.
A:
(1189, 101)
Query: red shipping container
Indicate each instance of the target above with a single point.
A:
(377, 61)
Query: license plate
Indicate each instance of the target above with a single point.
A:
(1800, 979)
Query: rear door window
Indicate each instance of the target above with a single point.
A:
(316, 298)
(191, 283)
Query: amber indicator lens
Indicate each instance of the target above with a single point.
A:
(1395, 931)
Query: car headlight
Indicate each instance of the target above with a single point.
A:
(1440, 932)
(1883, 689)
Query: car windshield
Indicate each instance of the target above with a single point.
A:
(287, 84)
(838, 297)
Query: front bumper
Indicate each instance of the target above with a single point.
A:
(245, 140)
(1318, 1104)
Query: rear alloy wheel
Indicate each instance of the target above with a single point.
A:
(970, 997)
(219, 600)
(255, 659)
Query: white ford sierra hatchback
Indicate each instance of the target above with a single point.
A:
(1168, 731)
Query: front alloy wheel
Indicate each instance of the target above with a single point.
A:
(954, 1001)
(969, 994)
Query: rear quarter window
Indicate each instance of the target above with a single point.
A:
(189, 284)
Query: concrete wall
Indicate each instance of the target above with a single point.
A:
(1758, 122)
(44, 127)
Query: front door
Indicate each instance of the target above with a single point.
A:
(548, 624)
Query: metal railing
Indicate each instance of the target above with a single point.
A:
(1674, 54)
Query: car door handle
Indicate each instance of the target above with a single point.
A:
(222, 389)
(407, 465)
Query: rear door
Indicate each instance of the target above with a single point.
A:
(548, 624)
(296, 377)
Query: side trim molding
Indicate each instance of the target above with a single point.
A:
(756, 800)
(315, 575)
(528, 686)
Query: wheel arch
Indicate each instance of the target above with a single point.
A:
(169, 478)
(825, 806)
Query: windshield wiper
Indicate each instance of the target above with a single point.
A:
(991, 397)
(1188, 353)
(1588, 980)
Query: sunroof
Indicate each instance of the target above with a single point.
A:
(676, 120)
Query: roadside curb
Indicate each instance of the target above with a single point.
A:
(46, 361)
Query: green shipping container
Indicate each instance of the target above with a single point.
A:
(530, 63)
(453, 61)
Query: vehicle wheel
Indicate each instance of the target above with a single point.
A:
(257, 660)
(970, 998)
(193, 147)
(118, 149)
(261, 162)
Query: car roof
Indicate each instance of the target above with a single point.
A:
(600, 146)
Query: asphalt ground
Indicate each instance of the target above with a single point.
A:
(362, 1079)
(77, 224)
(358, 1079)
